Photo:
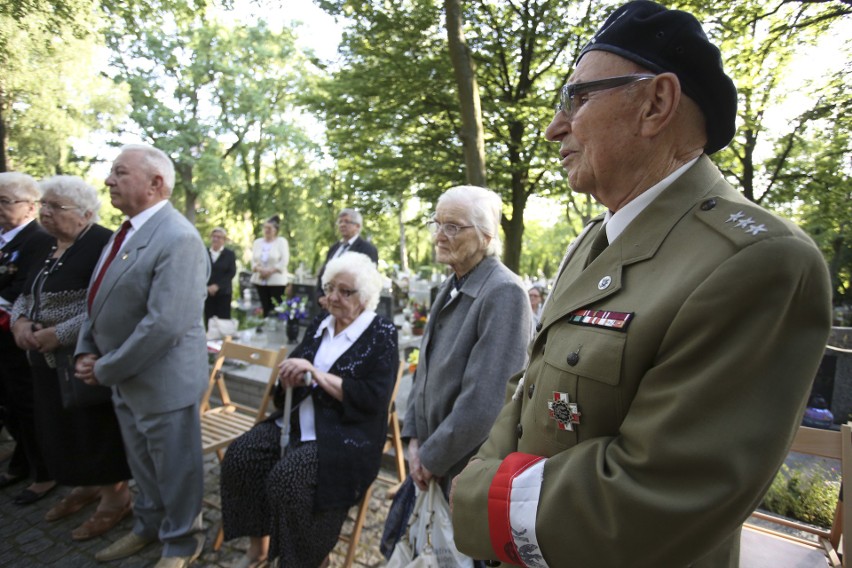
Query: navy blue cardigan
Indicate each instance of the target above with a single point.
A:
(350, 434)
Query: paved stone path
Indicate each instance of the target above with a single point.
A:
(27, 541)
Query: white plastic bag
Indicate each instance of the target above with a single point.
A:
(220, 328)
(429, 541)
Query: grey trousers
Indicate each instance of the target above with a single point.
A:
(164, 454)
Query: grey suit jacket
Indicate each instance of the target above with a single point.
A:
(146, 319)
(470, 348)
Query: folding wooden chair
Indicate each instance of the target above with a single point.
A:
(762, 546)
(222, 419)
(394, 441)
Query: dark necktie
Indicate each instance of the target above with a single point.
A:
(598, 245)
(343, 249)
(116, 245)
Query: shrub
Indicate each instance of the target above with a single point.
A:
(807, 497)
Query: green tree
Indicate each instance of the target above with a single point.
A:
(50, 90)
(399, 124)
(801, 171)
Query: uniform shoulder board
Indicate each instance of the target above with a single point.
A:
(743, 222)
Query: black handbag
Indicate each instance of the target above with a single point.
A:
(75, 393)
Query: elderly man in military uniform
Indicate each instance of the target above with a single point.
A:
(670, 368)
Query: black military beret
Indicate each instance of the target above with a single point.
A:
(664, 40)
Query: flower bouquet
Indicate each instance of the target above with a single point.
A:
(291, 311)
(295, 308)
(419, 315)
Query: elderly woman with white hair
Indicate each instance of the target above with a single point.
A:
(475, 339)
(82, 446)
(293, 507)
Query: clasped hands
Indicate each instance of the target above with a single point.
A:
(31, 336)
(419, 473)
(84, 368)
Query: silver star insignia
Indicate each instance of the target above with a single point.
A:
(755, 229)
(745, 222)
(735, 217)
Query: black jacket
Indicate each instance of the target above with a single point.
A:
(350, 434)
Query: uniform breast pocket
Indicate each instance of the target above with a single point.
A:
(582, 365)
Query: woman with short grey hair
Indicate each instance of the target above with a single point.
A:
(83, 195)
(81, 446)
(368, 281)
(484, 209)
(475, 339)
(19, 186)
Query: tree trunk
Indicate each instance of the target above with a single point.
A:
(513, 228)
(471, 114)
(184, 173)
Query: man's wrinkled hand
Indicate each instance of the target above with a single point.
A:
(84, 368)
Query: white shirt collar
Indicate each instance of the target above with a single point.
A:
(353, 331)
(616, 223)
(7, 236)
(141, 218)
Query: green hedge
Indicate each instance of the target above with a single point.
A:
(808, 497)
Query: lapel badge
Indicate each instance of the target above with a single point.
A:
(124, 256)
(563, 411)
(604, 282)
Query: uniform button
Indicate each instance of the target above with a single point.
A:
(708, 205)
(530, 391)
(520, 430)
(538, 326)
(573, 358)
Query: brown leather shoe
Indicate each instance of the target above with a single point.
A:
(99, 523)
(70, 505)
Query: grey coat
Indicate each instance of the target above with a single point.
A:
(146, 319)
(470, 348)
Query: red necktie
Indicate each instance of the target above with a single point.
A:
(116, 245)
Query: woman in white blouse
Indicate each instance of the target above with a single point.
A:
(292, 507)
(269, 259)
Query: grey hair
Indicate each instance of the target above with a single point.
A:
(21, 186)
(485, 209)
(368, 281)
(77, 190)
(353, 214)
(157, 162)
(220, 230)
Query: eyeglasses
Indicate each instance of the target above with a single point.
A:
(449, 229)
(346, 222)
(330, 289)
(54, 206)
(10, 202)
(573, 96)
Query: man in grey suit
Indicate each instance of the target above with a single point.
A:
(144, 338)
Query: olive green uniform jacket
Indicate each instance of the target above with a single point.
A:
(686, 414)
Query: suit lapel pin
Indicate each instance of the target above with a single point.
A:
(604, 282)
(565, 412)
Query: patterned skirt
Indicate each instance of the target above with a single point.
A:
(263, 494)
